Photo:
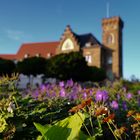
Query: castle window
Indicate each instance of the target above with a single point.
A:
(110, 39)
(109, 60)
(68, 45)
(88, 58)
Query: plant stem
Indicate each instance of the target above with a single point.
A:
(90, 119)
(15, 102)
(111, 130)
(99, 123)
(116, 128)
(84, 125)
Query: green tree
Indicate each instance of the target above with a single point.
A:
(73, 65)
(7, 67)
(32, 66)
(66, 66)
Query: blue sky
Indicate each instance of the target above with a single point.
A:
(23, 21)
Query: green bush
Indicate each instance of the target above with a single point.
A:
(7, 67)
(66, 66)
(32, 66)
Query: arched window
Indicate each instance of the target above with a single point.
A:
(110, 39)
(67, 45)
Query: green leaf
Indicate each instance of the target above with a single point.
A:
(39, 138)
(3, 124)
(41, 128)
(67, 129)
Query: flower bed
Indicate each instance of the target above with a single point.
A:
(104, 112)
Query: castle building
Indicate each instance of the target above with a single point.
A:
(107, 54)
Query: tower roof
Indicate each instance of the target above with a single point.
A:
(114, 19)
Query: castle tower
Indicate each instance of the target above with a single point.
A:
(112, 38)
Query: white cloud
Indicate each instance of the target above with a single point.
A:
(15, 34)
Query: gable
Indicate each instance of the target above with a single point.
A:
(68, 42)
(67, 45)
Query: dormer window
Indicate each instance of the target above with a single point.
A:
(26, 55)
(88, 44)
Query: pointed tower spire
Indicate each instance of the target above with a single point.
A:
(107, 9)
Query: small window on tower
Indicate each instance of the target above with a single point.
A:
(110, 39)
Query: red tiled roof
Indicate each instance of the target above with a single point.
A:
(8, 56)
(42, 49)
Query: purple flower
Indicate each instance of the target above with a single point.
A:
(124, 105)
(129, 96)
(84, 95)
(43, 88)
(114, 105)
(61, 84)
(91, 92)
(62, 92)
(35, 94)
(69, 83)
(101, 96)
(76, 89)
(73, 96)
(138, 92)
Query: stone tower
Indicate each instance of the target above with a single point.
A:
(112, 38)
